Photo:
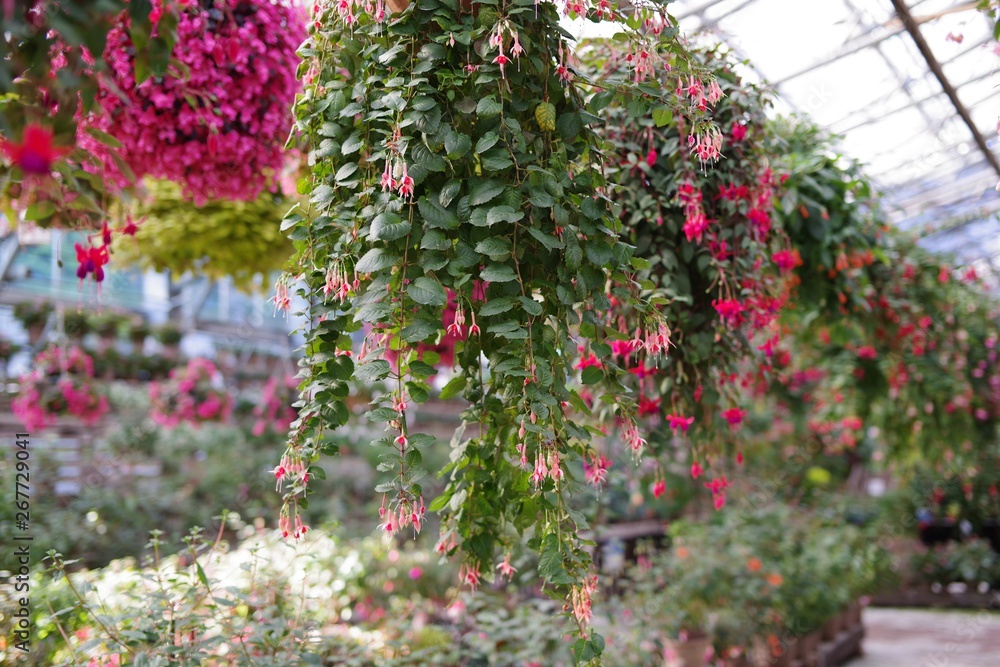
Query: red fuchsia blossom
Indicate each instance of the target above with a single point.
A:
(659, 488)
(738, 133)
(590, 359)
(718, 488)
(729, 310)
(867, 352)
(220, 130)
(787, 260)
(651, 157)
(761, 221)
(734, 416)
(649, 407)
(695, 226)
(679, 422)
(36, 153)
(944, 275)
(696, 470)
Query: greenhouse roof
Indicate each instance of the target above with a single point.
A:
(878, 73)
(856, 68)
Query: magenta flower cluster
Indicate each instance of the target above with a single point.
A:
(275, 409)
(194, 394)
(61, 383)
(218, 126)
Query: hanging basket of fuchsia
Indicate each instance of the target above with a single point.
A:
(275, 411)
(194, 394)
(60, 384)
(217, 120)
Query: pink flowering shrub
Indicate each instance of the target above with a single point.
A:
(275, 409)
(61, 383)
(217, 128)
(193, 394)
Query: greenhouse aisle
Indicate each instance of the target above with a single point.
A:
(921, 638)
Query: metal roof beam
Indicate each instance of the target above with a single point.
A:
(925, 50)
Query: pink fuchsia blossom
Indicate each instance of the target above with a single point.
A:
(505, 568)
(867, 352)
(787, 260)
(695, 226)
(36, 152)
(734, 416)
(649, 407)
(680, 422)
(738, 133)
(595, 470)
(220, 130)
(696, 470)
(659, 488)
(729, 310)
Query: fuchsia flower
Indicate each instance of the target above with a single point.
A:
(867, 352)
(787, 260)
(35, 154)
(718, 488)
(505, 568)
(729, 310)
(659, 488)
(761, 220)
(595, 471)
(734, 416)
(680, 422)
(696, 470)
(738, 133)
(405, 184)
(220, 130)
(695, 226)
(649, 406)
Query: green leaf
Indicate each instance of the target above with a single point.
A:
(374, 260)
(503, 213)
(531, 306)
(449, 192)
(592, 375)
(421, 369)
(600, 101)
(485, 191)
(569, 125)
(498, 273)
(427, 291)
(496, 306)
(436, 215)
(573, 253)
(420, 330)
(352, 144)
(104, 137)
(662, 116)
(389, 226)
(373, 371)
(498, 248)
(486, 142)
(488, 107)
(346, 171)
(454, 387)
(457, 145)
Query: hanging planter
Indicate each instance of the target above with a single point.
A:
(451, 151)
(194, 394)
(61, 383)
(703, 234)
(274, 412)
(217, 120)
